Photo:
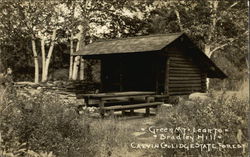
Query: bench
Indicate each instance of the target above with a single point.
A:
(132, 107)
(123, 101)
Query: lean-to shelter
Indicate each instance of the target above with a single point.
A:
(169, 64)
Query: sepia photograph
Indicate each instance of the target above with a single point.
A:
(124, 78)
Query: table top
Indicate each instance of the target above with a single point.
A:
(118, 94)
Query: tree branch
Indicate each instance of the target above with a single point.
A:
(223, 45)
(234, 4)
(178, 19)
(219, 47)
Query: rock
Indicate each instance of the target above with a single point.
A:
(188, 102)
(200, 96)
(138, 133)
(166, 105)
(149, 123)
(34, 91)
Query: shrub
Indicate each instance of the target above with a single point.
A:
(221, 112)
(41, 122)
(44, 123)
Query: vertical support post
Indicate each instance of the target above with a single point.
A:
(155, 72)
(157, 109)
(121, 74)
(86, 99)
(132, 112)
(147, 111)
(112, 113)
(123, 112)
(101, 106)
(203, 82)
(147, 99)
(167, 76)
(147, 108)
(102, 74)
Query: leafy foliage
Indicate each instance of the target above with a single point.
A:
(219, 28)
(32, 125)
(218, 112)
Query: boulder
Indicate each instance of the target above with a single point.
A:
(189, 103)
(166, 105)
(200, 96)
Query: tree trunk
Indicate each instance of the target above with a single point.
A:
(178, 19)
(76, 68)
(36, 79)
(43, 58)
(207, 50)
(77, 60)
(71, 56)
(76, 63)
(48, 58)
(81, 69)
(208, 53)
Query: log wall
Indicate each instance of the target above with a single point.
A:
(183, 75)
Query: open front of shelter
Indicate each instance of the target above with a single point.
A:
(168, 65)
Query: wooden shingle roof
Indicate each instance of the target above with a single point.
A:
(129, 45)
(150, 43)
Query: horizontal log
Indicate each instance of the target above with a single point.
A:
(184, 75)
(177, 55)
(184, 72)
(172, 64)
(191, 67)
(183, 62)
(180, 93)
(184, 85)
(184, 89)
(183, 69)
(174, 58)
(176, 52)
(186, 81)
(185, 78)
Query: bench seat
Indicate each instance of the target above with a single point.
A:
(133, 106)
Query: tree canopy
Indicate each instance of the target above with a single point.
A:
(217, 27)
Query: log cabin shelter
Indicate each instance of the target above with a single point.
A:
(169, 64)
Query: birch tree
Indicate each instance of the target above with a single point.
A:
(14, 26)
(46, 57)
(78, 60)
(75, 25)
(42, 22)
(35, 20)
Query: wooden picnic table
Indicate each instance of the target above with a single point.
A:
(118, 94)
(102, 98)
